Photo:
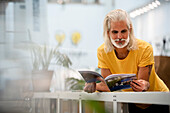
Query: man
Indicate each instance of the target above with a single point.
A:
(122, 53)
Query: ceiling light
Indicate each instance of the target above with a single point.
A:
(141, 11)
(157, 2)
(154, 4)
(133, 15)
(144, 9)
(151, 6)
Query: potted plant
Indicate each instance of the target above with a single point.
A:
(42, 56)
(75, 83)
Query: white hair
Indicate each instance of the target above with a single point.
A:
(117, 15)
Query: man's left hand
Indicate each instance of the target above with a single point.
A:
(140, 85)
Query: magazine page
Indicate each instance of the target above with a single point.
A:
(90, 76)
(112, 76)
(119, 81)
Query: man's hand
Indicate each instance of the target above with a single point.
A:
(140, 85)
(90, 87)
(102, 87)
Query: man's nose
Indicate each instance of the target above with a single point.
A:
(119, 35)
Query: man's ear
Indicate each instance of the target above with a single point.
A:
(130, 29)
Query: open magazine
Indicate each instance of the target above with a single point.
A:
(114, 81)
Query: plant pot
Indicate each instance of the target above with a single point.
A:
(41, 80)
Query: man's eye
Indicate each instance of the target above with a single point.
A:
(114, 32)
(123, 31)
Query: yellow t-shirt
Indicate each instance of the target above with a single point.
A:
(141, 57)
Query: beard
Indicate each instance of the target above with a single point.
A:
(120, 45)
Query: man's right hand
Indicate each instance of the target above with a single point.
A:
(102, 87)
(90, 87)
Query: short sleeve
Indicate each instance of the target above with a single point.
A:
(101, 59)
(146, 57)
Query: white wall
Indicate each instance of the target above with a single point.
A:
(86, 19)
(154, 26)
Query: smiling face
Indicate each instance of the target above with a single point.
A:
(119, 34)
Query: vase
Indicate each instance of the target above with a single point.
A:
(41, 80)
